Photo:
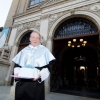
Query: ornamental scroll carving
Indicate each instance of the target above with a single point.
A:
(95, 8)
(34, 24)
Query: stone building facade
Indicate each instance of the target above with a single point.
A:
(45, 17)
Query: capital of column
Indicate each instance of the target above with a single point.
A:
(16, 44)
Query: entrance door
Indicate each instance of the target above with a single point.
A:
(77, 67)
(75, 48)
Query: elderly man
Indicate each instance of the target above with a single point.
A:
(33, 56)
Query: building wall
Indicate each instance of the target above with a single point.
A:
(45, 18)
(12, 12)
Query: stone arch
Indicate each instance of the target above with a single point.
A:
(88, 15)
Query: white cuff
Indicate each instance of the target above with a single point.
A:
(44, 74)
(16, 70)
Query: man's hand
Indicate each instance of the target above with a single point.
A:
(37, 78)
(16, 75)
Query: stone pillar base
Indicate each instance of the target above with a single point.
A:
(47, 89)
(7, 83)
(12, 91)
(1, 82)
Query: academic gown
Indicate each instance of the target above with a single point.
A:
(39, 57)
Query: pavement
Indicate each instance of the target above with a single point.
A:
(5, 95)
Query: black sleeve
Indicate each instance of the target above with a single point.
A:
(51, 63)
(16, 65)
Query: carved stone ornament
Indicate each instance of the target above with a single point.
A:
(21, 27)
(49, 38)
(95, 8)
(16, 44)
(50, 2)
(45, 16)
(53, 17)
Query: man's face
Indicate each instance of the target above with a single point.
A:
(35, 39)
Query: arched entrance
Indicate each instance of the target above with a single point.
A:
(75, 48)
(24, 40)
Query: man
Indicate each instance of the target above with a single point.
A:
(37, 56)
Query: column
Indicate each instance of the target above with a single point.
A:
(47, 81)
(13, 50)
(13, 53)
(47, 43)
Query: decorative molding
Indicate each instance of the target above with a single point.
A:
(49, 38)
(50, 2)
(45, 16)
(72, 11)
(16, 44)
(94, 8)
(53, 17)
(21, 27)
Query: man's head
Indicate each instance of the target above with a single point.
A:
(35, 38)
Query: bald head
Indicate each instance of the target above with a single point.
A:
(35, 38)
(34, 32)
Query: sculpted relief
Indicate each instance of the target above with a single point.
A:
(95, 8)
(33, 24)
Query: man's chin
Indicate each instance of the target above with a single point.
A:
(34, 45)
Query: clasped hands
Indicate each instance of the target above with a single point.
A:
(34, 79)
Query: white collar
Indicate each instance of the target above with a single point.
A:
(32, 47)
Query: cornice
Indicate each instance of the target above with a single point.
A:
(28, 11)
(50, 2)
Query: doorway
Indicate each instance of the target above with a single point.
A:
(75, 46)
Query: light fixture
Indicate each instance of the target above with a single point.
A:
(69, 44)
(79, 43)
(69, 41)
(81, 40)
(73, 46)
(74, 40)
(78, 46)
(84, 42)
(82, 67)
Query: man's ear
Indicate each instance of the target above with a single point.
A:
(30, 39)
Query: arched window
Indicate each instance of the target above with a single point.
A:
(25, 39)
(34, 2)
(74, 27)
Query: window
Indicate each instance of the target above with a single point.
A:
(34, 2)
(74, 27)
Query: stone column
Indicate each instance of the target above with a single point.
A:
(47, 81)
(4, 66)
(47, 43)
(13, 53)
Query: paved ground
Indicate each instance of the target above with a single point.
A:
(5, 90)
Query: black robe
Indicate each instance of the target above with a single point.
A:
(27, 89)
